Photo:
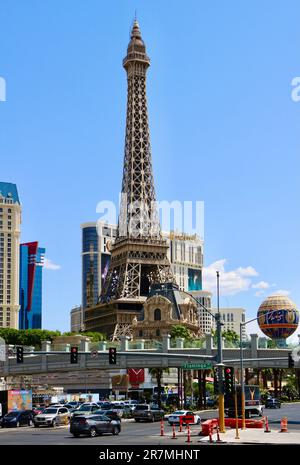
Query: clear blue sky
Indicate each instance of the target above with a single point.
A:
(223, 127)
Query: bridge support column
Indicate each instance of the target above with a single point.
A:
(102, 345)
(179, 342)
(46, 346)
(124, 343)
(84, 346)
(67, 347)
(141, 344)
(166, 343)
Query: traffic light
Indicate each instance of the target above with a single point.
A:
(291, 361)
(218, 375)
(74, 355)
(112, 355)
(20, 351)
(229, 380)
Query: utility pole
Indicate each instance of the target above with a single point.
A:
(220, 363)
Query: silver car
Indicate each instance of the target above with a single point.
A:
(52, 416)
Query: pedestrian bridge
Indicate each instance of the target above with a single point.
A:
(50, 361)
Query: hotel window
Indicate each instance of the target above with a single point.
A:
(157, 314)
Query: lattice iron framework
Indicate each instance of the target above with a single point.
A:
(139, 254)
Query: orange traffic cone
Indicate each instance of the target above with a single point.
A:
(174, 435)
(189, 434)
(266, 421)
(283, 425)
(180, 426)
(210, 434)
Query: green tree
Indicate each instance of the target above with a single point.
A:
(95, 337)
(27, 337)
(229, 336)
(180, 331)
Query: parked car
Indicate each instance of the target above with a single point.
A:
(16, 418)
(52, 416)
(272, 403)
(145, 412)
(174, 418)
(38, 409)
(211, 402)
(85, 409)
(93, 425)
(118, 408)
(104, 405)
(72, 405)
(112, 414)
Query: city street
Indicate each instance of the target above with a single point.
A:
(134, 433)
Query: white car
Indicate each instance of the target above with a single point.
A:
(52, 416)
(174, 418)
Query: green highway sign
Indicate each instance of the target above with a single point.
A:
(197, 366)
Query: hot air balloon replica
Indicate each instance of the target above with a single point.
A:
(282, 322)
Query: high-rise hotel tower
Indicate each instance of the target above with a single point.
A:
(10, 220)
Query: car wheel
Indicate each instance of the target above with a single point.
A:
(115, 431)
(76, 435)
(54, 423)
(152, 419)
(93, 432)
(137, 420)
(35, 425)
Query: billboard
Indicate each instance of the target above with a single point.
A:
(19, 400)
(195, 279)
(136, 376)
(119, 382)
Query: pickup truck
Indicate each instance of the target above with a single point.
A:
(145, 412)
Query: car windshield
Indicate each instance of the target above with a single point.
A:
(50, 410)
(179, 412)
(85, 408)
(141, 407)
(12, 414)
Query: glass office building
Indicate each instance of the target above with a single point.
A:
(31, 268)
(90, 257)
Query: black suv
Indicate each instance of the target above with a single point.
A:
(272, 403)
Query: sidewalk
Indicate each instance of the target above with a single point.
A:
(255, 436)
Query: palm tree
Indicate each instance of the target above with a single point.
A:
(158, 373)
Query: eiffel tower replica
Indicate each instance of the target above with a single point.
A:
(139, 253)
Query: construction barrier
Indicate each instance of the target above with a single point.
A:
(209, 426)
(283, 425)
(231, 423)
(187, 419)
